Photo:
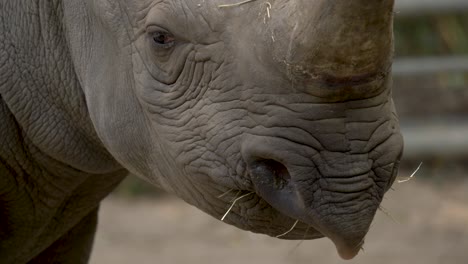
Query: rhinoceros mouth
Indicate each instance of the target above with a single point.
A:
(287, 227)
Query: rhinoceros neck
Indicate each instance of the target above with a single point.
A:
(40, 197)
(41, 90)
(53, 167)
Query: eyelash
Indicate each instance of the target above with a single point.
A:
(162, 39)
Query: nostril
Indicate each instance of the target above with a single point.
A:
(274, 183)
(276, 171)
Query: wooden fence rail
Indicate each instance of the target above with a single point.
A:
(445, 136)
(423, 7)
(429, 65)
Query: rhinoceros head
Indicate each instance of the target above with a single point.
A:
(274, 114)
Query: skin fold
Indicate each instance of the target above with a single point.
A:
(286, 104)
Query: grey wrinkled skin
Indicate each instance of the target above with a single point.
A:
(286, 103)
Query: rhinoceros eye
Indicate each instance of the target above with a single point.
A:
(162, 39)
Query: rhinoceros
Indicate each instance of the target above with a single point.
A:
(275, 116)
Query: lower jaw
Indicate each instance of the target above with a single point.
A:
(286, 227)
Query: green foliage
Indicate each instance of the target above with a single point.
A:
(434, 35)
(445, 34)
(133, 187)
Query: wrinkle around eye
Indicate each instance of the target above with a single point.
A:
(165, 69)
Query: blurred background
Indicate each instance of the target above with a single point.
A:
(424, 220)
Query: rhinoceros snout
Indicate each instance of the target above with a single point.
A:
(297, 191)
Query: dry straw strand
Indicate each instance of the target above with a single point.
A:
(235, 197)
(236, 4)
(387, 213)
(234, 203)
(412, 175)
(289, 231)
(226, 193)
(268, 9)
(300, 242)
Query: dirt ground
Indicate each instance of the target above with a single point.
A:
(429, 225)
